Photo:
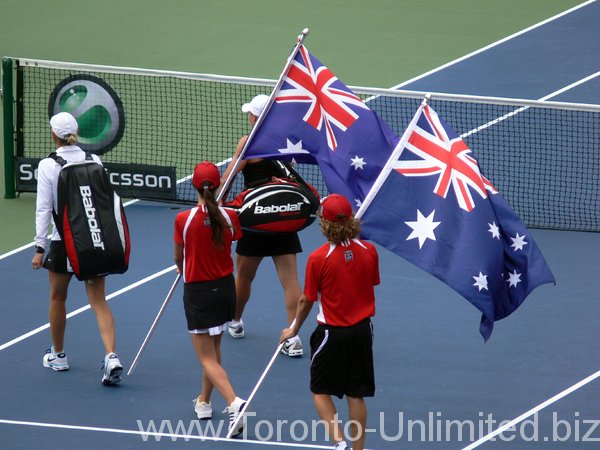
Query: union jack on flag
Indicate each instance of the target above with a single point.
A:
(312, 83)
(477, 245)
(445, 154)
(315, 118)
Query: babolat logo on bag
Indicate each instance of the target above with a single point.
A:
(91, 220)
(291, 208)
(281, 206)
(90, 213)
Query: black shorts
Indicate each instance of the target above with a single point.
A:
(255, 244)
(209, 304)
(56, 260)
(342, 360)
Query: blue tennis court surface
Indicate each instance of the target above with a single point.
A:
(438, 385)
(532, 65)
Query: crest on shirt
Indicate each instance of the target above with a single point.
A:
(348, 255)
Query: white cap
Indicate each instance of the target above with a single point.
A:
(64, 124)
(256, 105)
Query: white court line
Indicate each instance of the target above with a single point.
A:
(16, 250)
(570, 86)
(159, 434)
(130, 202)
(524, 108)
(404, 83)
(494, 44)
(532, 411)
(473, 445)
(26, 246)
(86, 307)
(108, 297)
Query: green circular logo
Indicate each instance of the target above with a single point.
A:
(97, 108)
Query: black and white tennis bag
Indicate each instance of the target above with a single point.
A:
(91, 220)
(279, 205)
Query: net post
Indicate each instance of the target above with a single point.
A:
(8, 115)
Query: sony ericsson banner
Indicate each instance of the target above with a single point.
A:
(129, 180)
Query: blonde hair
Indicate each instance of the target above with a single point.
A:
(70, 139)
(338, 232)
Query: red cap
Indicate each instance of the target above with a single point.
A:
(336, 208)
(206, 173)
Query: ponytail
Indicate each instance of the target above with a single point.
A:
(218, 223)
(71, 139)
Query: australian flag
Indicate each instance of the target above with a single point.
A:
(432, 206)
(314, 117)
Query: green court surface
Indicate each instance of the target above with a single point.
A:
(378, 43)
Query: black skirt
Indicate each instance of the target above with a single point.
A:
(256, 244)
(56, 261)
(209, 304)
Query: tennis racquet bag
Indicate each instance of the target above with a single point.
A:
(279, 206)
(91, 220)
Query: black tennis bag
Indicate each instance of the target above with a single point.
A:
(277, 205)
(91, 220)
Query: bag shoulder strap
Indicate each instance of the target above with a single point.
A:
(59, 159)
(63, 162)
(290, 172)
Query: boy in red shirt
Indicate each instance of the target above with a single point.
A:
(343, 271)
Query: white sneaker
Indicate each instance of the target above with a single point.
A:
(293, 347)
(236, 329)
(234, 411)
(112, 369)
(203, 409)
(55, 361)
(341, 445)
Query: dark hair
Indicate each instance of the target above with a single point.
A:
(218, 223)
(338, 232)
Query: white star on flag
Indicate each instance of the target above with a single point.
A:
(358, 163)
(292, 148)
(494, 230)
(358, 202)
(423, 228)
(481, 282)
(518, 242)
(513, 278)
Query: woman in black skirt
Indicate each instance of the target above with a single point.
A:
(203, 237)
(253, 247)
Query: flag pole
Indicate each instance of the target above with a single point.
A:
(154, 324)
(232, 173)
(393, 157)
(258, 383)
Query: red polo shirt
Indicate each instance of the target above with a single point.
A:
(202, 260)
(344, 275)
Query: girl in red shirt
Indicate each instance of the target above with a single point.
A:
(203, 237)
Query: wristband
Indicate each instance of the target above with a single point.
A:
(39, 249)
